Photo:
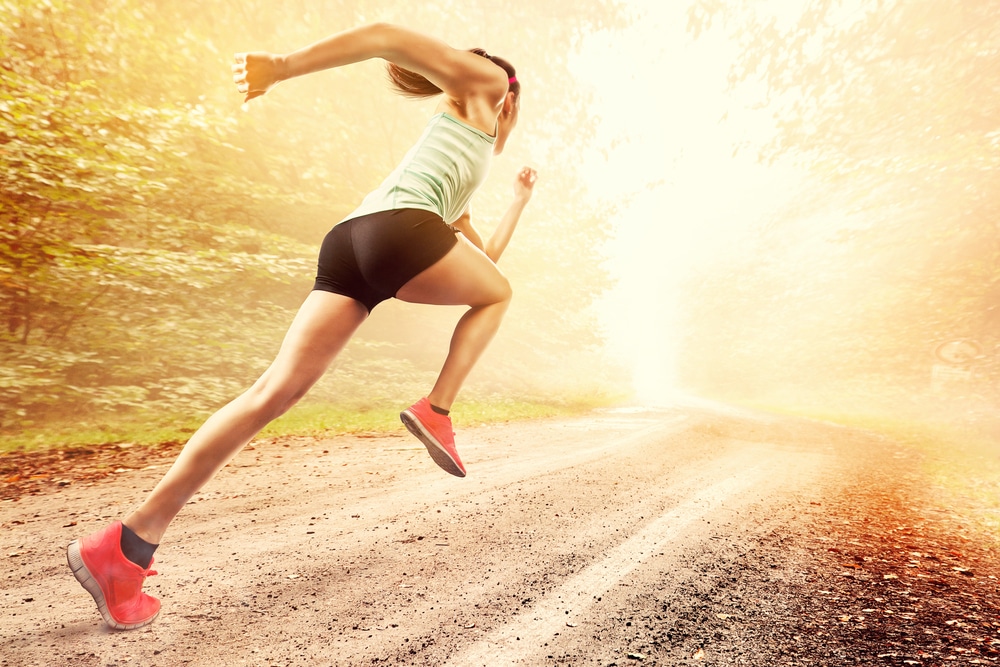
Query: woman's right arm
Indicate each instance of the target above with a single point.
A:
(524, 186)
(457, 73)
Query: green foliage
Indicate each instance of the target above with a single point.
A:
(155, 240)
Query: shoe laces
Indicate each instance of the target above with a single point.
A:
(444, 421)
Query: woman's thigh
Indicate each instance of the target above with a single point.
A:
(463, 277)
(321, 328)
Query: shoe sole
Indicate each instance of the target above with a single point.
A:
(90, 584)
(438, 453)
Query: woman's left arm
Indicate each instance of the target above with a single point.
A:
(524, 186)
(464, 225)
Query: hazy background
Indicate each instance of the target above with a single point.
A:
(785, 203)
(825, 231)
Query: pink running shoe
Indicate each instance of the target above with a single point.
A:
(114, 581)
(435, 432)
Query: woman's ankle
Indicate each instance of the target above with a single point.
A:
(142, 528)
(136, 549)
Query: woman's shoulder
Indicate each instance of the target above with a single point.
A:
(478, 115)
(459, 73)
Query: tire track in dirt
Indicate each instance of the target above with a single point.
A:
(519, 640)
(294, 556)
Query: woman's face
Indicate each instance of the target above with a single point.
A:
(506, 122)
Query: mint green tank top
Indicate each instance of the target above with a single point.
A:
(439, 174)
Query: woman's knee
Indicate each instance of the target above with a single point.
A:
(496, 290)
(503, 291)
(269, 399)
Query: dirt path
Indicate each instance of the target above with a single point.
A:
(693, 535)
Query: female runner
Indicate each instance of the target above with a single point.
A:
(410, 239)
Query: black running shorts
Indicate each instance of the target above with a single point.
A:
(370, 257)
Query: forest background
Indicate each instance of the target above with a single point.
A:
(156, 236)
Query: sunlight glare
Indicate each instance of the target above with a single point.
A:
(685, 198)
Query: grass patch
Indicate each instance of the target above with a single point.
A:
(138, 428)
(316, 418)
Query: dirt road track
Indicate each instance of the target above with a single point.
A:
(659, 537)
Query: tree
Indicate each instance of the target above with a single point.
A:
(154, 239)
(887, 104)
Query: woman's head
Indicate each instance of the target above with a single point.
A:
(411, 84)
(514, 84)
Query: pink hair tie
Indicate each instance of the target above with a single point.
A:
(511, 80)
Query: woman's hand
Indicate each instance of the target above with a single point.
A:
(256, 73)
(524, 183)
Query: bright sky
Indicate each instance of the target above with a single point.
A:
(664, 94)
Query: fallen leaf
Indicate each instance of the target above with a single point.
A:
(699, 654)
